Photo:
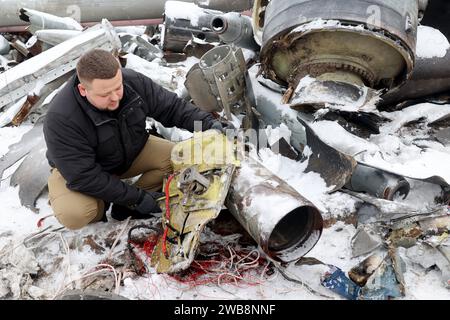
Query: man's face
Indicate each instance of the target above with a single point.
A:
(104, 94)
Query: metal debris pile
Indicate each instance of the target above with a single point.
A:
(377, 131)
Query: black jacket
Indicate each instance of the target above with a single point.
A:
(91, 148)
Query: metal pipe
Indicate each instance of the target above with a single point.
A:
(42, 20)
(379, 183)
(182, 21)
(235, 28)
(280, 220)
(116, 23)
(89, 11)
(430, 76)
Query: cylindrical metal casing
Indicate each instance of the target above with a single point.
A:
(430, 76)
(113, 10)
(235, 28)
(378, 183)
(217, 83)
(182, 21)
(282, 222)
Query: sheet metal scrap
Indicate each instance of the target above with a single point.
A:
(32, 174)
(333, 94)
(57, 61)
(392, 214)
(55, 37)
(366, 239)
(336, 280)
(385, 284)
(333, 166)
(139, 46)
(36, 101)
(203, 167)
(428, 256)
(363, 271)
(433, 231)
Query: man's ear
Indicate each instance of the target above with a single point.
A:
(82, 90)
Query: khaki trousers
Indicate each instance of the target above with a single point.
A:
(75, 210)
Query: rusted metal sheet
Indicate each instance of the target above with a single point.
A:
(34, 101)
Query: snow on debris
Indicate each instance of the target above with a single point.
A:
(431, 43)
(183, 10)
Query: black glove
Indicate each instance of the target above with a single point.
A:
(223, 127)
(147, 202)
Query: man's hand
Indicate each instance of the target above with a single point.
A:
(224, 127)
(147, 203)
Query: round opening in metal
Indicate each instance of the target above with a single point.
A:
(292, 233)
(201, 36)
(214, 56)
(218, 24)
(401, 190)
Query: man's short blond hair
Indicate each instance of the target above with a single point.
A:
(97, 64)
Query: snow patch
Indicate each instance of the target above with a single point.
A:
(431, 43)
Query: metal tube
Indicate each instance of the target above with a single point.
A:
(42, 20)
(235, 28)
(280, 220)
(430, 76)
(378, 183)
(182, 21)
(89, 11)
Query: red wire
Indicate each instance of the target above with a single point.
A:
(166, 230)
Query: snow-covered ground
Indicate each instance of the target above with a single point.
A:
(95, 257)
